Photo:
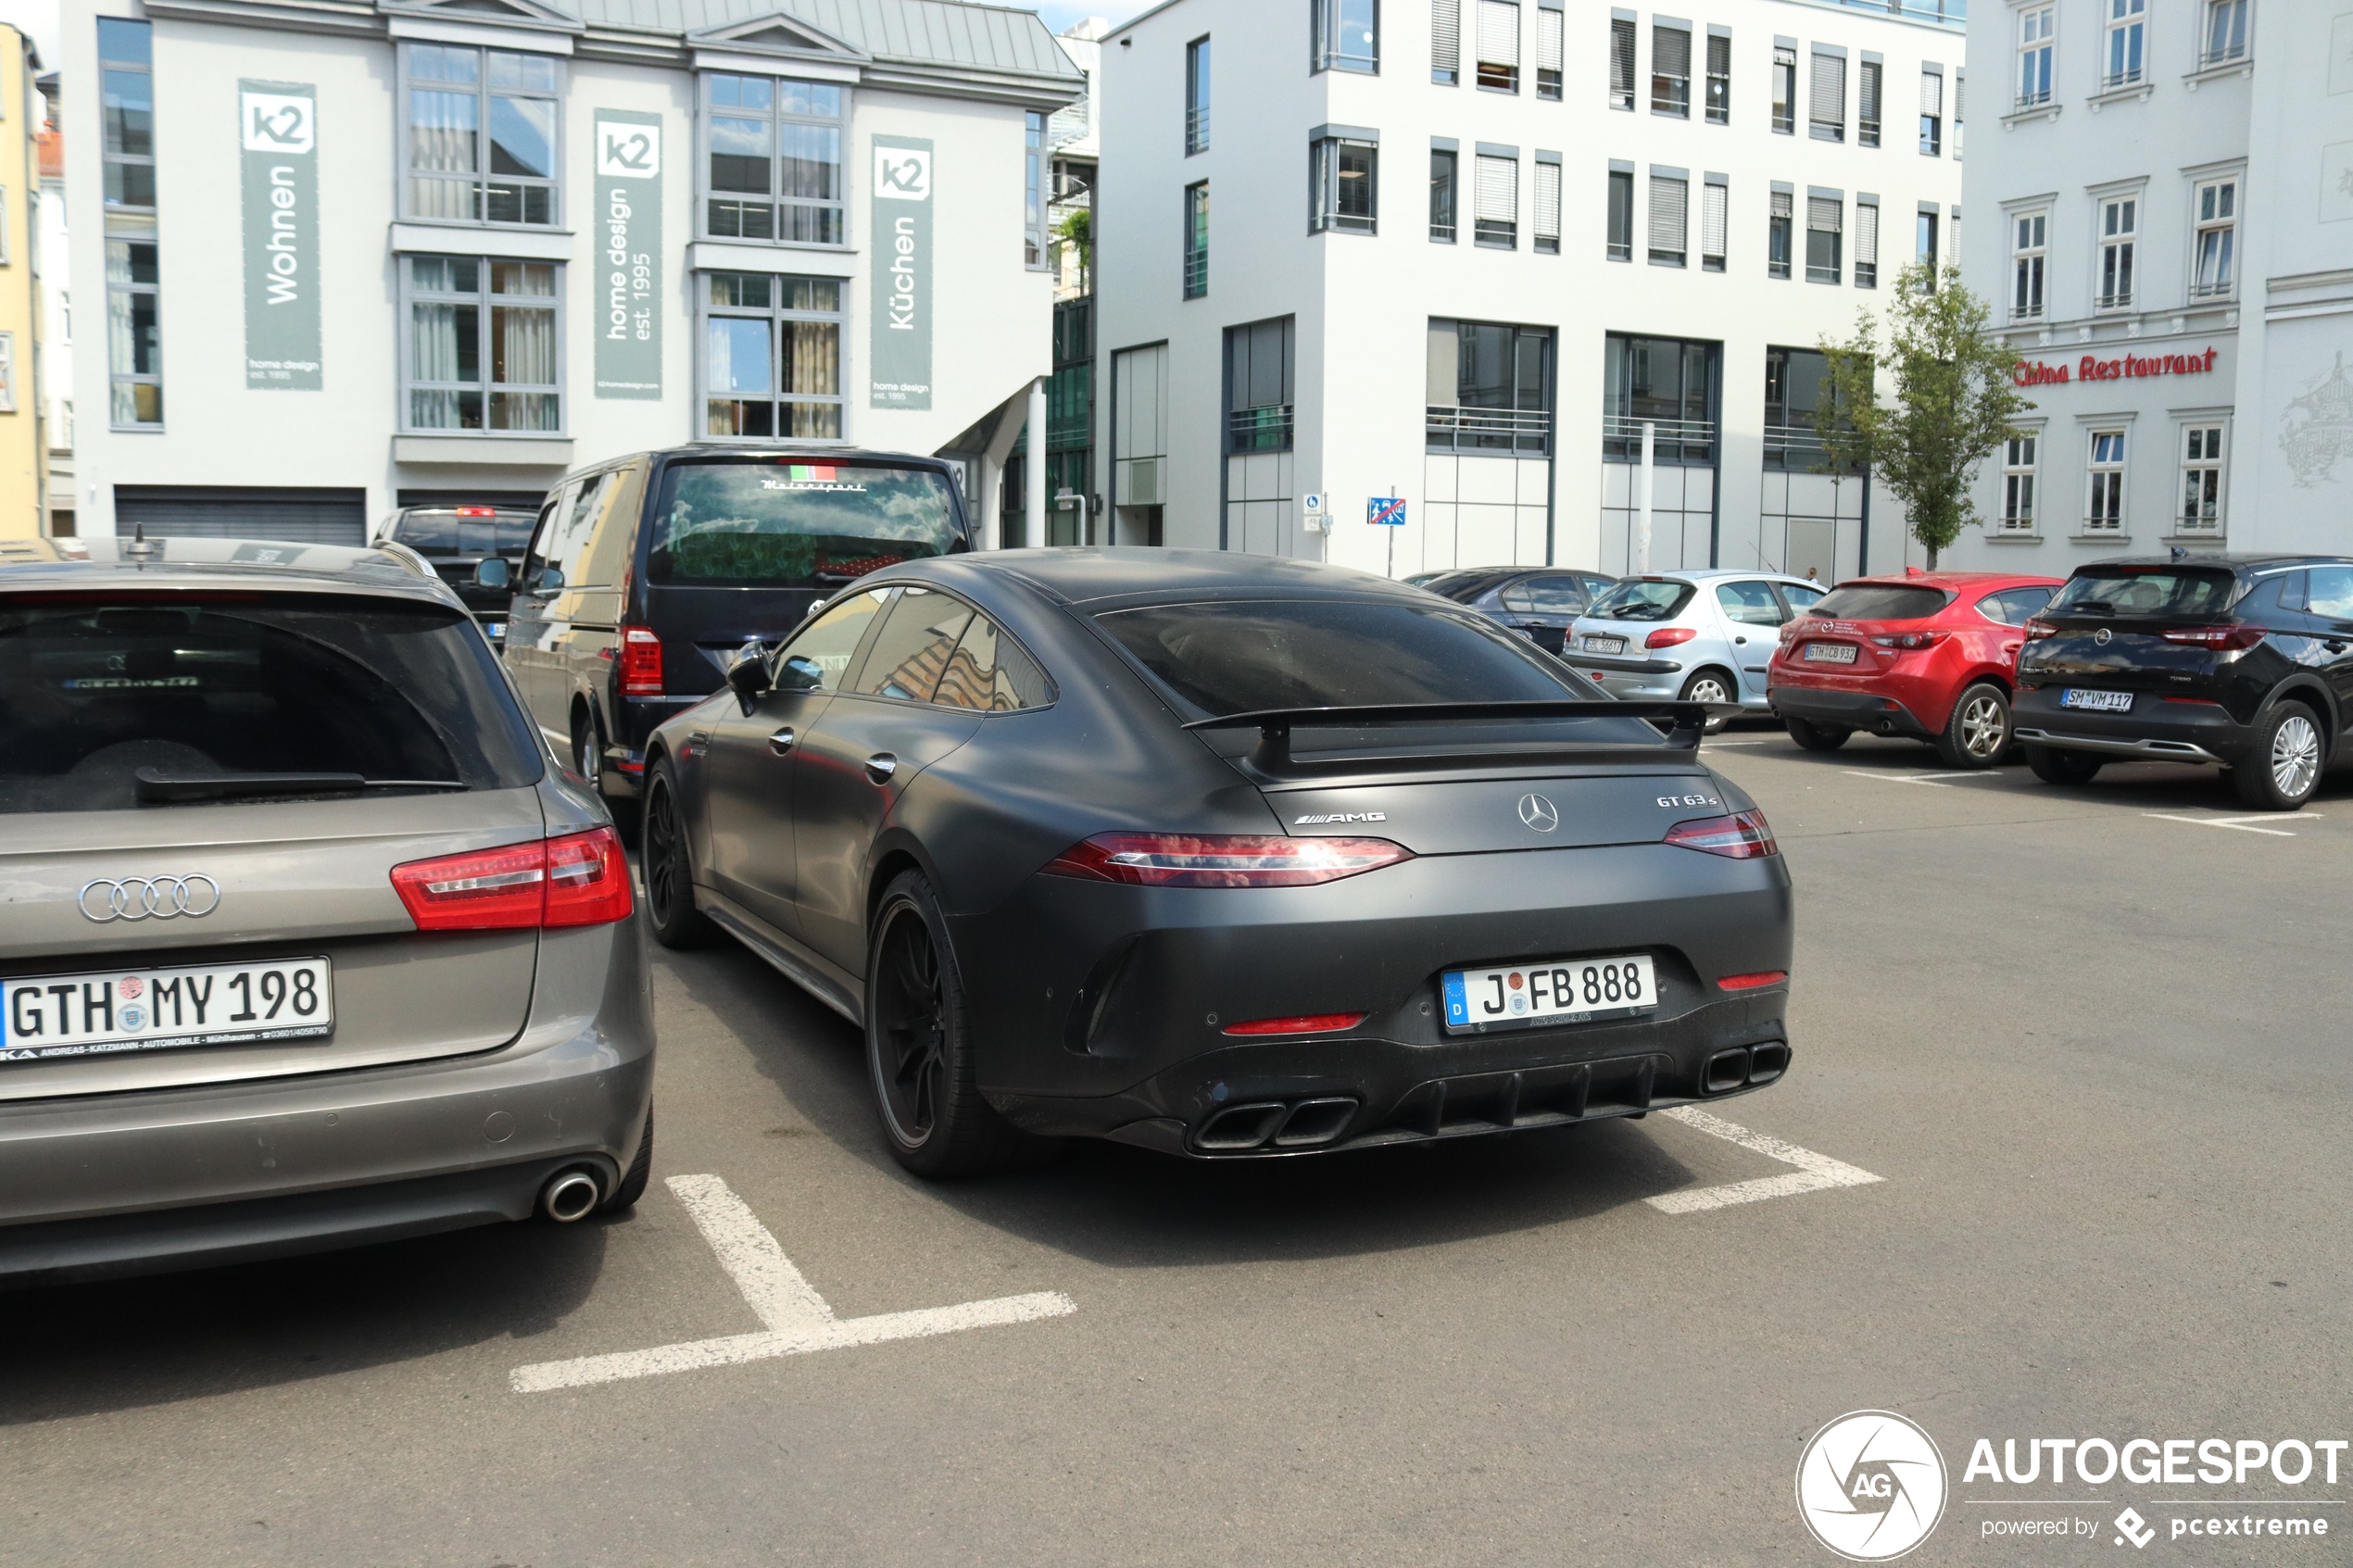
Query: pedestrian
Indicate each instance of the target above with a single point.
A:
(1812, 575)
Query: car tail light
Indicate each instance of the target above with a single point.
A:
(2037, 630)
(640, 662)
(2223, 639)
(580, 879)
(1910, 640)
(1185, 859)
(1752, 981)
(2195, 701)
(1742, 836)
(1668, 636)
(477, 511)
(1305, 1023)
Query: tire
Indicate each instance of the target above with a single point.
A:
(1979, 731)
(633, 1181)
(1723, 686)
(2282, 768)
(670, 888)
(1816, 737)
(2054, 766)
(919, 1054)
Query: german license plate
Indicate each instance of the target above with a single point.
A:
(494, 628)
(1830, 653)
(1592, 643)
(148, 1009)
(2097, 702)
(1549, 991)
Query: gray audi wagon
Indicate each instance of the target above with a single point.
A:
(304, 943)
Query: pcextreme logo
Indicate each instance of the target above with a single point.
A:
(1871, 1485)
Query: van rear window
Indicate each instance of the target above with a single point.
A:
(784, 523)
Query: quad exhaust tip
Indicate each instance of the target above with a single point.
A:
(1305, 1125)
(569, 1195)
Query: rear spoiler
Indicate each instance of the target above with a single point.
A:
(1272, 755)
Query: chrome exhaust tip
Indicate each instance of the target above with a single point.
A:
(569, 1195)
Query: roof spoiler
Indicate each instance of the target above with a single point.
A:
(1271, 756)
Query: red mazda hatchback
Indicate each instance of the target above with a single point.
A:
(1929, 654)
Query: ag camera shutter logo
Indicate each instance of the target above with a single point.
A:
(1872, 1485)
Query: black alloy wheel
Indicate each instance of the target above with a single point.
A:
(1816, 737)
(2282, 768)
(1979, 732)
(670, 893)
(2053, 765)
(589, 752)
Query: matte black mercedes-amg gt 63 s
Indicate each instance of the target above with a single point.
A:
(1223, 856)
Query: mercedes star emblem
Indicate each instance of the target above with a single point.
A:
(1538, 813)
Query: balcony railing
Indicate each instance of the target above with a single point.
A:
(1681, 443)
(1452, 428)
(2213, 59)
(2111, 81)
(1196, 130)
(1259, 430)
(2026, 312)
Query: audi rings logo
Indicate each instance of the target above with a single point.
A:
(1871, 1485)
(1538, 813)
(149, 897)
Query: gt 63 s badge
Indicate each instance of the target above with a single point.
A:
(1871, 1485)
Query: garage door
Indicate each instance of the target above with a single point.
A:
(213, 511)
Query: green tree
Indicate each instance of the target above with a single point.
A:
(1077, 231)
(1952, 403)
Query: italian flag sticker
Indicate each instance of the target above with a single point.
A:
(811, 474)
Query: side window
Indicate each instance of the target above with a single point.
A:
(1555, 596)
(1750, 604)
(818, 658)
(1800, 599)
(612, 521)
(912, 649)
(989, 672)
(2023, 604)
(543, 538)
(2329, 592)
(1518, 599)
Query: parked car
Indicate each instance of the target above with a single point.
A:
(649, 572)
(305, 943)
(1929, 654)
(1539, 602)
(1701, 637)
(2240, 660)
(457, 540)
(1220, 856)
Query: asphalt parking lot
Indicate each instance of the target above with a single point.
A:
(2089, 1043)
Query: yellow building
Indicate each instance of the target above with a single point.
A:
(23, 439)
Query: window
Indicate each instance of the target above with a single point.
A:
(2201, 479)
(2120, 229)
(1259, 386)
(134, 331)
(2225, 33)
(1033, 226)
(1866, 241)
(481, 135)
(1666, 382)
(1489, 388)
(1197, 240)
(1785, 91)
(2105, 511)
(1621, 63)
(1549, 53)
(1960, 95)
(483, 350)
(1867, 103)
(1797, 384)
(1446, 42)
(2017, 483)
(1499, 45)
(1496, 203)
(1720, 79)
(1342, 172)
(2029, 234)
(2127, 30)
(771, 357)
(774, 160)
(1671, 71)
(1931, 113)
(1825, 220)
(1621, 215)
(1776, 235)
(1548, 207)
(1441, 195)
(1670, 206)
(8, 372)
(2035, 30)
(1714, 199)
(2217, 208)
(1924, 247)
(1347, 35)
(1197, 94)
(1826, 110)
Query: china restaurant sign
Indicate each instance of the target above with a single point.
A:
(2092, 367)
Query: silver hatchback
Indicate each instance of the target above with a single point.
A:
(1701, 637)
(304, 943)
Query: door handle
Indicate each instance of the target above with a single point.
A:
(880, 766)
(781, 742)
(1742, 641)
(2012, 648)
(2333, 645)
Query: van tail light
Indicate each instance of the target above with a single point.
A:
(2037, 630)
(1741, 837)
(1751, 982)
(2222, 639)
(1187, 860)
(1912, 640)
(1305, 1023)
(580, 879)
(1668, 636)
(640, 662)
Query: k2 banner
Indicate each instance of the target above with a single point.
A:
(628, 253)
(902, 219)
(277, 124)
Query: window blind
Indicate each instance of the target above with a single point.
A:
(1932, 93)
(1781, 204)
(1549, 51)
(1669, 200)
(1621, 63)
(1960, 92)
(1548, 201)
(1830, 90)
(1446, 37)
(1495, 196)
(1867, 95)
(1865, 234)
(1670, 52)
(1499, 32)
(1714, 202)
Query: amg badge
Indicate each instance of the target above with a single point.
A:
(1312, 818)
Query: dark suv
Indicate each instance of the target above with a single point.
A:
(455, 541)
(2241, 661)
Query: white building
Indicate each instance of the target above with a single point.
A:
(1462, 253)
(2167, 233)
(354, 252)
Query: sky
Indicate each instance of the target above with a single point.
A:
(1060, 18)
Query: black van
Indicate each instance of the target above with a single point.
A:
(647, 573)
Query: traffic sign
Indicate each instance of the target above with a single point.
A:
(1386, 512)
(1312, 503)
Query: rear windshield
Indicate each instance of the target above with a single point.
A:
(446, 534)
(1244, 657)
(92, 691)
(779, 524)
(2155, 590)
(1880, 601)
(1636, 599)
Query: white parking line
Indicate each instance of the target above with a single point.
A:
(1814, 1172)
(1934, 781)
(2241, 824)
(794, 1318)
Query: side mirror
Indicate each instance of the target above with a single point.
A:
(802, 674)
(551, 577)
(492, 573)
(747, 676)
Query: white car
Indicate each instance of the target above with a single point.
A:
(1700, 637)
